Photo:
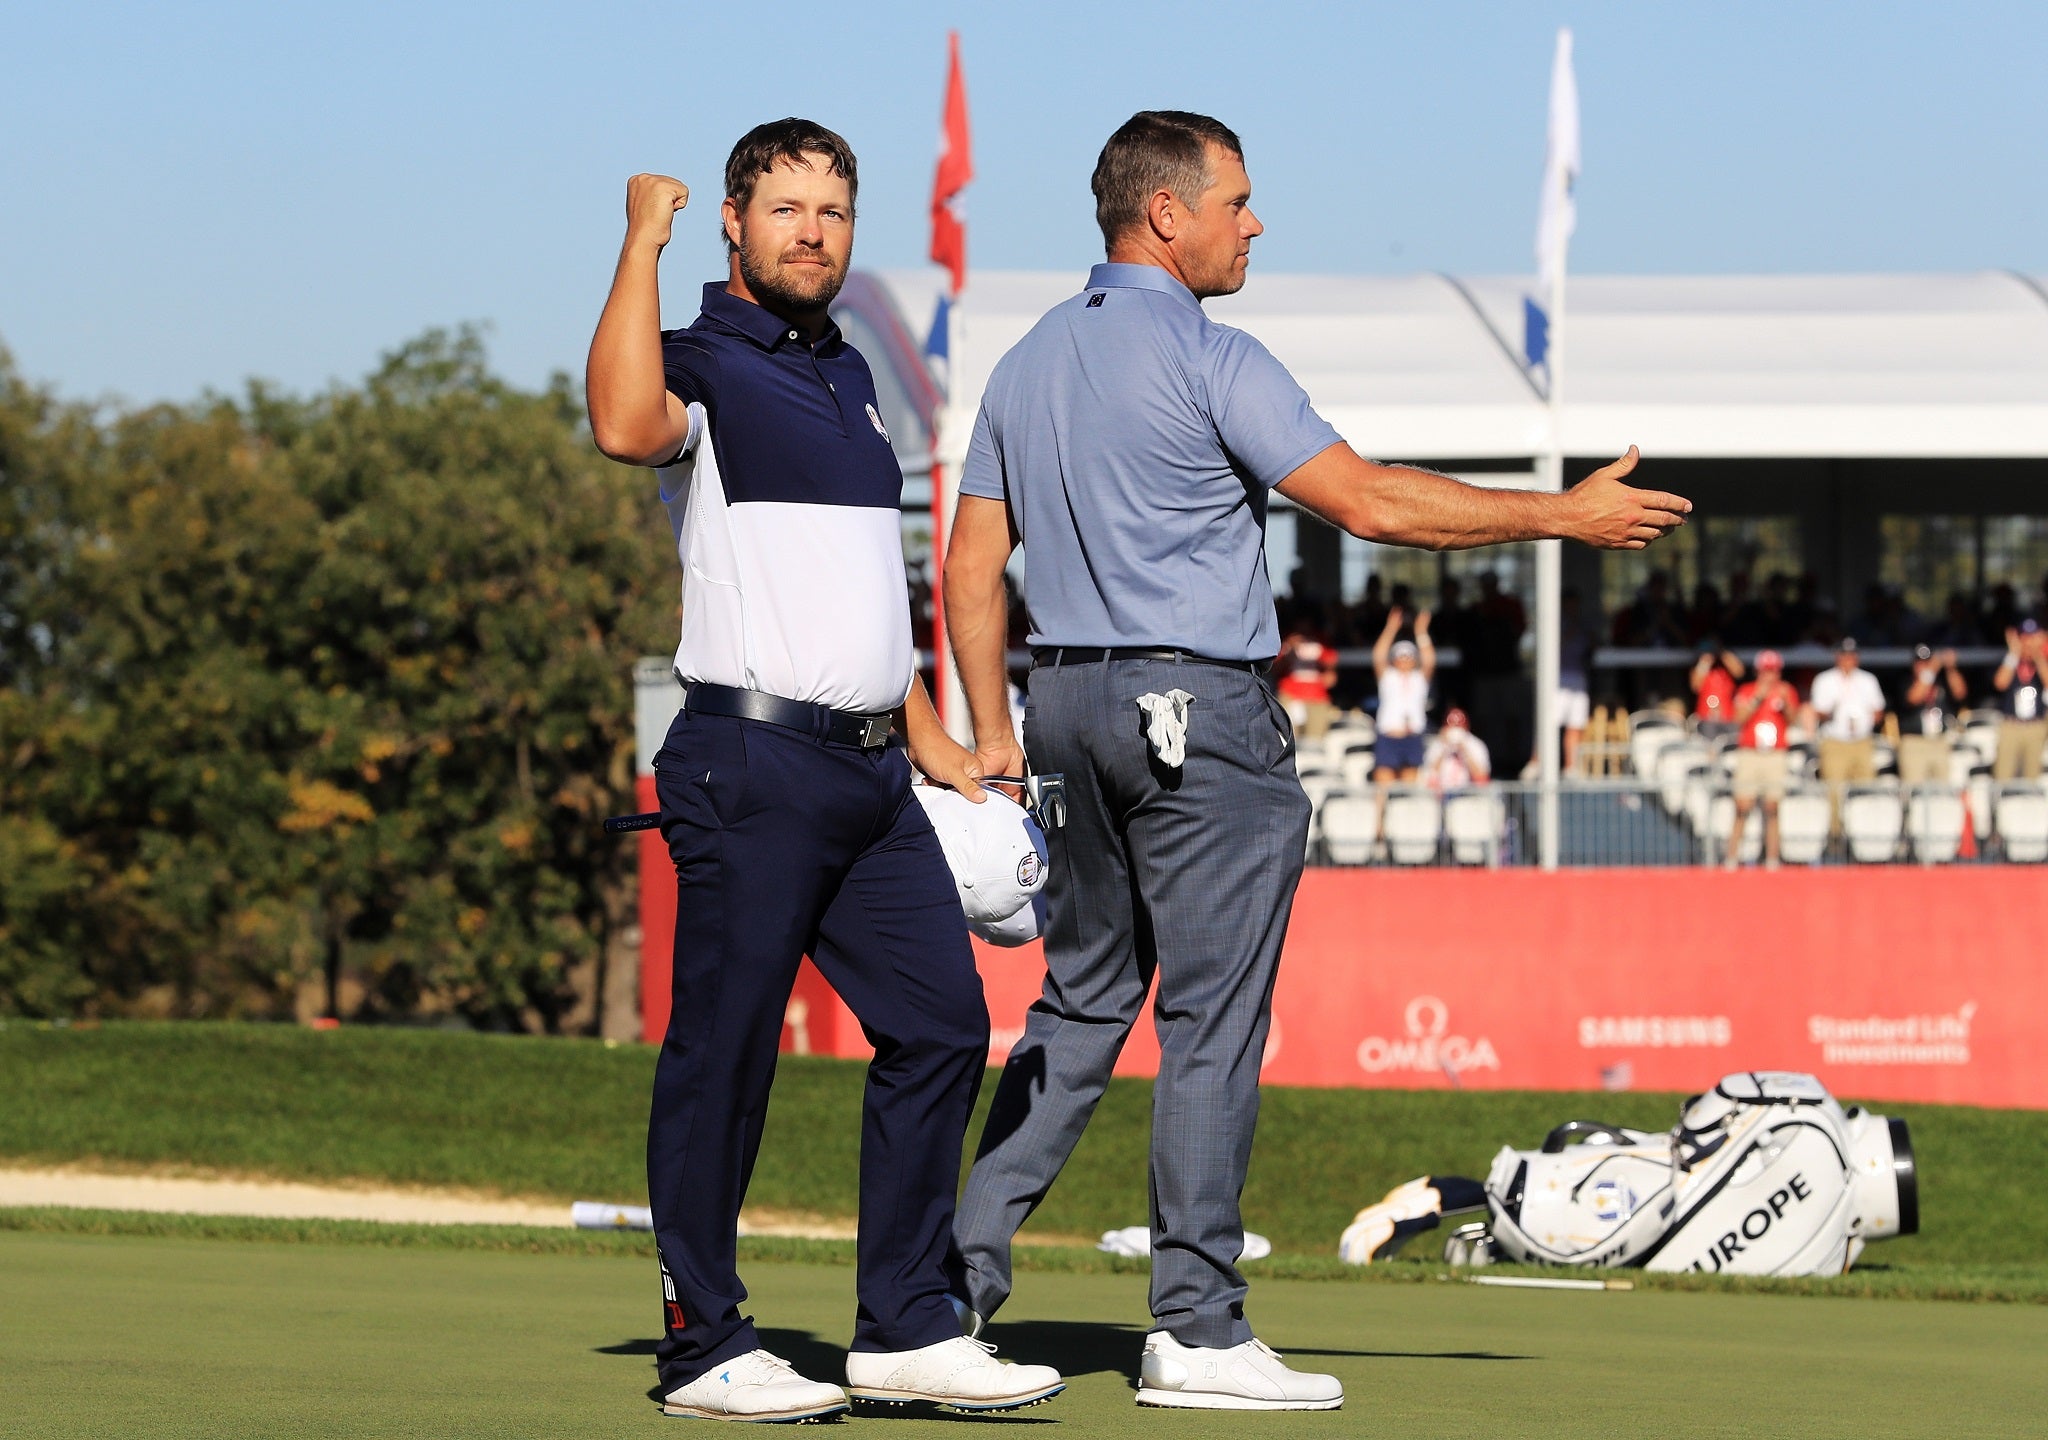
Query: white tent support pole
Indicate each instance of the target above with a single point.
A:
(1549, 599)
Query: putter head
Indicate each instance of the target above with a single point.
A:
(1045, 796)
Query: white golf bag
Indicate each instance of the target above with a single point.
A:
(1765, 1174)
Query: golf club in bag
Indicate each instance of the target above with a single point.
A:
(1765, 1174)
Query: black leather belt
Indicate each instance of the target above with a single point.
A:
(1096, 654)
(821, 722)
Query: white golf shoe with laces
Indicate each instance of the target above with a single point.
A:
(960, 1372)
(1243, 1377)
(755, 1386)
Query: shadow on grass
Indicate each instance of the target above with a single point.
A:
(1072, 1347)
(1293, 1350)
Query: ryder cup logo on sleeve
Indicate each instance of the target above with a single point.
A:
(875, 419)
(998, 857)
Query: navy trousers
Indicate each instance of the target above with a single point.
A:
(786, 845)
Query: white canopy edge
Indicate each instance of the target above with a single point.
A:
(1427, 367)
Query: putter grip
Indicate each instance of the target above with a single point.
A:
(620, 824)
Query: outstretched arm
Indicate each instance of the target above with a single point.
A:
(1400, 505)
(1425, 648)
(633, 417)
(1383, 646)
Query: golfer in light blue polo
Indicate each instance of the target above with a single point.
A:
(1129, 444)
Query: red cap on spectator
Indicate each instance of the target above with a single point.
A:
(1769, 660)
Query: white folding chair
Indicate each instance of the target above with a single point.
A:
(1351, 826)
(1803, 826)
(1674, 763)
(1474, 823)
(1872, 818)
(1934, 823)
(2022, 816)
(1414, 822)
(1702, 786)
(1358, 769)
(1720, 820)
(1980, 736)
(1645, 745)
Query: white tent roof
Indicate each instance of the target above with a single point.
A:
(1428, 367)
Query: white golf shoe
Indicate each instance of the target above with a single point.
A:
(755, 1386)
(1244, 1377)
(962, 1373)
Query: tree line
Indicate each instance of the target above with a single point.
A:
(313, 703)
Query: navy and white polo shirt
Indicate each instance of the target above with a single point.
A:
(786, 506)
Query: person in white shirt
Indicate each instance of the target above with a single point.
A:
(1456, 759)
(1404, 670)
(1846, 703)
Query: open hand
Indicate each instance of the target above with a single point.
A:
(1610, 515)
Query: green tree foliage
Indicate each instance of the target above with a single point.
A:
(291, 686)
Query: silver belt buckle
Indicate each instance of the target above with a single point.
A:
(875, 731)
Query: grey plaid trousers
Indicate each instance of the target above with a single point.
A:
(1188, 874)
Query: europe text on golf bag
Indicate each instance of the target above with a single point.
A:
(1765, 1174)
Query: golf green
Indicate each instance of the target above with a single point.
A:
(149, 1337)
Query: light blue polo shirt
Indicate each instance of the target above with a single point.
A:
(1134, 440)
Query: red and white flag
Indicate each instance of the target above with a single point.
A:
(956, 168)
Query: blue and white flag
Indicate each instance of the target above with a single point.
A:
(938, 344)
(1557, 213)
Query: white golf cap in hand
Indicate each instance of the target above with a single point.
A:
(998, 857)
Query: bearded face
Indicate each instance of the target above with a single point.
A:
(793, 240)
(788, 275)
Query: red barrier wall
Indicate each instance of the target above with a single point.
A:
(1888, 983)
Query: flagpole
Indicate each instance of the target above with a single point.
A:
(949, 445)
(1549, 598)
(1555, 224)
(954, 433)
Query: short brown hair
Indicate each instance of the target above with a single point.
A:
(765, 146)
(1155, 150)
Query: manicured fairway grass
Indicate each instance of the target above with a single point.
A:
(565, 1119)
(144, 1338)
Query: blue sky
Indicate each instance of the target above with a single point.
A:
(191, 196)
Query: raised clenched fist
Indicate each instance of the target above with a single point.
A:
(651, 205)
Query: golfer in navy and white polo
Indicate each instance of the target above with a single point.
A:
(785, 789)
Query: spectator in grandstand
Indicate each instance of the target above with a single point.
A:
(1847, 703)
(1496, 695)
(1576, 641)
(1932, 694)
(1371, 610)
(1714, 677)
(1803, 612)
(1304, 672)
(2001, 615)
(1957, 628)
(1704, 618)
(1403, 669)
(2022, 706)
(1763, 714)
(1881, 622)
(1455, 758)
(1450, 616)
(1653, 619)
